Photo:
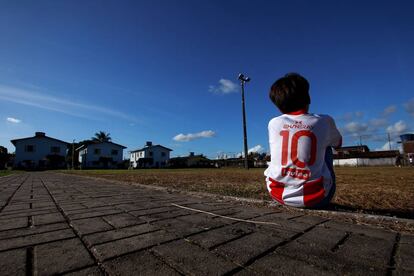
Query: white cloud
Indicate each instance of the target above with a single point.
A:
(394, 146)
(225, 87)
(257, 148)
(378, 122)
(386, 146)
(389, 110)
(355, 127)
(193, 136)
(409, 107)
(349, 116)
(397, 128)
(44, 101)
(13, 120)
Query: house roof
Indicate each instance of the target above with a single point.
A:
(370, 154)
(39, 137)
(98, 142)
(148, 147)
(361, 148)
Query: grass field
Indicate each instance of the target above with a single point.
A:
(378, 190)
(6, 172)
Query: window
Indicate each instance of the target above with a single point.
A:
(163, 154)
(114, 152)
(150, 153)
(97, 151)
(29, 148)
(55, 149)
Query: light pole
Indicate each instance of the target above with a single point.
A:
(73, 153)
(243, 79)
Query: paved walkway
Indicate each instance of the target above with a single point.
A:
(59, 224)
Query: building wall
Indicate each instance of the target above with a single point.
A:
(389, 161)
(88, 158)
(158, 159)
(42, 148)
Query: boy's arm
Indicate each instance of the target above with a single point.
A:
(335, 137)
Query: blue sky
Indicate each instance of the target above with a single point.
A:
(159, 70)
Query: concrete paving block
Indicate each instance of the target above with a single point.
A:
(122, 220)
(13, 262)
(203, 221)
(193, 260)
(156, 210)
(48, 218)
(32, 230)
(116, 234)
(131, 244)
(308, 219)
(91, 214)
(165, 215)
(13, 223)
(179, 228)
(248, 247)
(90, 225)
(16, 208)
(140, 263)
(31, 212)
(89, 271)
(278, 264)
(366, 230)
(61, 256)
(404, 258)
(330, 251)
(36, 239)
(373, 251)
(88, 210)
(218, 236)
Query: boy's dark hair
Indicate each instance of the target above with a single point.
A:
(290, 93)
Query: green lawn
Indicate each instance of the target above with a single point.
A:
(7, 172)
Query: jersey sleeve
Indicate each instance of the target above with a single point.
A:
(334, 136)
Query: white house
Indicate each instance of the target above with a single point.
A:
(150, 156)
(96, 154)
(40, 152)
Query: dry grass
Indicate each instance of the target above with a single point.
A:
(384, 190)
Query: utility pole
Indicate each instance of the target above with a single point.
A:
(73, 154)
(389, 140)
(243, 79)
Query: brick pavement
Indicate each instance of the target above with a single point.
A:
(60, 224)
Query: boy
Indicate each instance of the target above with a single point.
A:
(300, 172)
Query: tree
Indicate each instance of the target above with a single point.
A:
(4, 157)
(102, 136)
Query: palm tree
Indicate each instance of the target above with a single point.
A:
(102, 136)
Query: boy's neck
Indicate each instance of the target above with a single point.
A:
(298, 112)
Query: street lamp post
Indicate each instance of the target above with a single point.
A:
(73, 154)
(243, 79)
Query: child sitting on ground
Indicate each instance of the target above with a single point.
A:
(300, 172)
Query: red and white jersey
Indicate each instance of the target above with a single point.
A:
(297, 174)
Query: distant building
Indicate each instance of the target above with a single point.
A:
(40, 152)
(362, 156)
(150, 156)
(101, 155)
(407, 141)
(191, 161)
(344, 151)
